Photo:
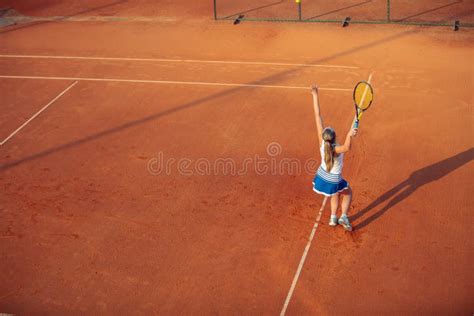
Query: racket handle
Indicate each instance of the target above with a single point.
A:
(356, 124)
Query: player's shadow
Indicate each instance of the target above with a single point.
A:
(416, 180)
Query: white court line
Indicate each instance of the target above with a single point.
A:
(370, 77)
(300, 266)
(305, 253)
(38, 113)
(176, 61)
(173, 82)
(366, 89)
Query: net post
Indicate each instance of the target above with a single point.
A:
(298, 2)
(388, 11)
(215, 9)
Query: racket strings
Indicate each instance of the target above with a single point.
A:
(363, 95)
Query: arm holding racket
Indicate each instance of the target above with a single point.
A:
(347, 143)
(317, 113)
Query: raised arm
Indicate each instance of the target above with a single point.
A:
(347, 143)
(317, 113)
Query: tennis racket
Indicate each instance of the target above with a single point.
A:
(363, 97)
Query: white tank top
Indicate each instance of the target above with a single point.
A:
(338, 162)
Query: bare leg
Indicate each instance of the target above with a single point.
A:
(346, 200)
(334, 203)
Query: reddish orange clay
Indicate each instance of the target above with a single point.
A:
(175, 176)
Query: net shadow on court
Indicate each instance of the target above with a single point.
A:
(197, 102)
(21, 26)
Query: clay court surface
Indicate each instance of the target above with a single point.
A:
(88, 224)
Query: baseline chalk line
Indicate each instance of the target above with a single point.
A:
(243, 85)
(169, 60)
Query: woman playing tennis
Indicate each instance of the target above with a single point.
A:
(328, 180)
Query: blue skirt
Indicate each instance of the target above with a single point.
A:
(328, 184)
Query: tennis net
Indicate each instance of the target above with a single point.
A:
(416, 12)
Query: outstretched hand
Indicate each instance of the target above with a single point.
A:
(314, 89)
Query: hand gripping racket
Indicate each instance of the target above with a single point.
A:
(363, 97)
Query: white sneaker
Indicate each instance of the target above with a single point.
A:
(344, 221)
(333, 221)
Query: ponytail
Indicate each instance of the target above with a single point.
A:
(328, 155)
(329, 137)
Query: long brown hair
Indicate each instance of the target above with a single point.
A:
(329, 138)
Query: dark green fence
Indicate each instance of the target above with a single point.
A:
(405, 12)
